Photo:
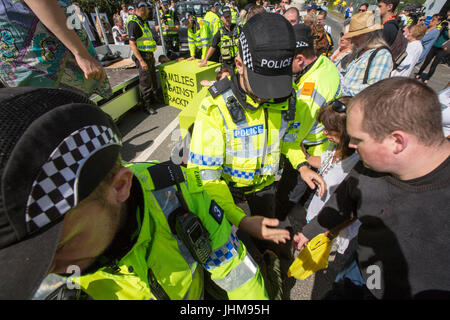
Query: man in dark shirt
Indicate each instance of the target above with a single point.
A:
(142, 45)
(399, 192)
(390, 24)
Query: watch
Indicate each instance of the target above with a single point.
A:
(304, 163)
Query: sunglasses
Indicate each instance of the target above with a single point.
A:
(362, 10)
(338, 106)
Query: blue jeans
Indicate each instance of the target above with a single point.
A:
(351, 272)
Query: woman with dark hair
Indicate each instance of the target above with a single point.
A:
(334, 164)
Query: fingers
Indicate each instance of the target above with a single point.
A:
(321, 185)
(98, 74)
(310, 183)
(271, 222)
(275, 235)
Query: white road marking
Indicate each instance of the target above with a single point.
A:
(145, 155)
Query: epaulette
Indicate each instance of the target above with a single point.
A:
(219, 87)
(206, 105)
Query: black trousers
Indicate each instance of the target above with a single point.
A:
(291, 190)
(439, 55)
(147, 78)
(263, 203)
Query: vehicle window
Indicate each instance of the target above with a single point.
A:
(198, 9)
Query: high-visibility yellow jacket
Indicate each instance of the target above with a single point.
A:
(242, 154)
(234, 15)
(198, 38)
(168, 18)
(145, 43)
(318, 86)
(157, 255)
(213, 23)
(229, 43)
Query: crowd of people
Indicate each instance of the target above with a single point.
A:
(359, 146)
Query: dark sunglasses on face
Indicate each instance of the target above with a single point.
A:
(362, 10)
(338, 106)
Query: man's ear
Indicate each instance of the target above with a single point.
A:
(121, 186)
(399, 141)
(239, 65)
(298, 63)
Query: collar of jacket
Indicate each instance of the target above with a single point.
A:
(309, 68)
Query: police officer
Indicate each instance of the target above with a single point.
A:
(226, 40)
(131, 231)
(234, 12)
(197, 33)
(143, 45)
(241, 127)
(130, 14)
(316, 83)
(213, 23)
(170, 28)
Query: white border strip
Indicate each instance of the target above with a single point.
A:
(145, 155)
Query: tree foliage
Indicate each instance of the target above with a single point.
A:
(107, 6)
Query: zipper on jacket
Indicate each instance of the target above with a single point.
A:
(155, 287)
(266, 138)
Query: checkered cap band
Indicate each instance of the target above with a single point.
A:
(54, 192)
(246, 55)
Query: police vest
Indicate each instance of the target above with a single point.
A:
(159, 265)
(318, 86)
(252, 139)
(213, 23)
(234, 15)
(168, 18)
(145, 43)
(194, 35)
(229, 42)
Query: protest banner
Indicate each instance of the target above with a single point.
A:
(180, 81)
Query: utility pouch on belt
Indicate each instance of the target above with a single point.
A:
(183, 223)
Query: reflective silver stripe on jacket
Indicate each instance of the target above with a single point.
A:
(238, 276)
(210, 174)
(319, 99)
(316, 128)
(314, 143)
(168, 202)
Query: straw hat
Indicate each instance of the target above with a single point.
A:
(363, 22)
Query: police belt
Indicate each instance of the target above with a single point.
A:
(241, 194)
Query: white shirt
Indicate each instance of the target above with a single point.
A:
(414, 51)
(444, 99)
(334, 174)
(116, 31)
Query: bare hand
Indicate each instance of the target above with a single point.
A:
(144, 65)
(313, 179)
(299, 241)
(190, 58)
(90, 67)
(259, 227)
(203, 63)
